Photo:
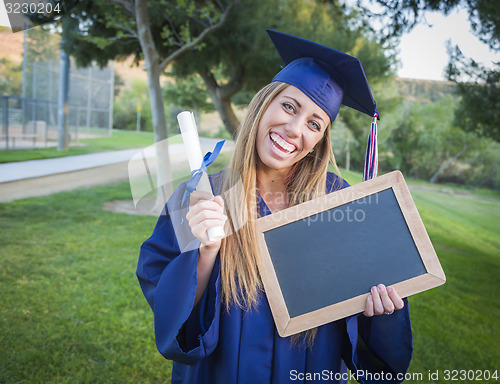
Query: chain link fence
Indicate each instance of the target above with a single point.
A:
(31, 120)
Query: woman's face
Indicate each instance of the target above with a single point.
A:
(290, 127)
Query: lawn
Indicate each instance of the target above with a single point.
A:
(72, 311)
(120, 139)
(456, 325)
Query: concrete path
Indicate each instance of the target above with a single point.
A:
(43, 177)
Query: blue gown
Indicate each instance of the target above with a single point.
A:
(210, 345)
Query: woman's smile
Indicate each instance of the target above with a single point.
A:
(281, 144)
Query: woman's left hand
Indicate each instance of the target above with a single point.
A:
(382, 300)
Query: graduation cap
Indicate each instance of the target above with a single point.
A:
(330, 78)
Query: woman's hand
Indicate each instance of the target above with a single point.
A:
(205, 211)
(382, 300)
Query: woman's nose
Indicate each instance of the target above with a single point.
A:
(293, 127)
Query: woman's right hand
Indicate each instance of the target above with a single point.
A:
(205, 211)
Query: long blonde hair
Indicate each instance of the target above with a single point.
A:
(240, 251)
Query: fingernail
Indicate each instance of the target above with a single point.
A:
(381, 287)
(374, 289)
(389, 289)
(370, 298)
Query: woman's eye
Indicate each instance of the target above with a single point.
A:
(315, 125)
(288, 107)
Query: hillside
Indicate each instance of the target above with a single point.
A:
(11, 45)
(424, 90)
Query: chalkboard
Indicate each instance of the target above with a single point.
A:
(321, 258)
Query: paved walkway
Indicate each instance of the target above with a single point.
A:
(38, 168)
(42, 177)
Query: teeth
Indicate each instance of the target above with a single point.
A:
(282, 143)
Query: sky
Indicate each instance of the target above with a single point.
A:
(422, 51)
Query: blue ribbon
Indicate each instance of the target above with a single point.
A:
(197, 173)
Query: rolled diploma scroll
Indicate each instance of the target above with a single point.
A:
(189, 133)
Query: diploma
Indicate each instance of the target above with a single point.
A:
(192, 145)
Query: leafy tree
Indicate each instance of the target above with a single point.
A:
(188, 93)
(425, 142)
(125, 107)
(484, 169)
(479, 107)
(118, 83)
(478, 86)
(238, 54)
(158, 32)
(43, 46)
(402, 15)
(241, 58)
(353, 145)
(10, 77)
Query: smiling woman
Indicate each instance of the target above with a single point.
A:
(211, 314)
(290, 128)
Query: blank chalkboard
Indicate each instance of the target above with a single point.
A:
(321, 258)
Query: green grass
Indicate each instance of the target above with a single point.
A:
(72, 311)
(456, 325)
(71, 308)
(119, 140)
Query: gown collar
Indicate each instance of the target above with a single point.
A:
(262, 208)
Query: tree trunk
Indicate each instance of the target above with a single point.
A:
(445, 165)
(152, 65)
(226, 113)
(221, 96)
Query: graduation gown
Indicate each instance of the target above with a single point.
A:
(210, 345)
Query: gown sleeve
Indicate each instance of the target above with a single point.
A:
(167, 275)
(379, 345)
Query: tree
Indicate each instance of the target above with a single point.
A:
(426, 142)
(478, 86)
(125, 107)
(158, 32)
(189, 93)
(10, 77)
(241, 58)
(42, 45)
(402, 15)
(239, 54)
(479, 107)
(358, 124)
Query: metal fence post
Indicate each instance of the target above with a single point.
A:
(111, 97)
(89, 98)
(5, 105)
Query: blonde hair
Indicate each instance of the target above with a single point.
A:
(240, 252)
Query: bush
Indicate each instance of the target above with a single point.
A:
(125, 107)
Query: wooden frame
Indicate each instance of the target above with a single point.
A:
(433, 277)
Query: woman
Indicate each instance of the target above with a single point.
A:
(211, 316)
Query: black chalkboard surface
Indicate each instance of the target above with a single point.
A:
(321, 258)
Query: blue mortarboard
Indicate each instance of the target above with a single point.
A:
(329, 77)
